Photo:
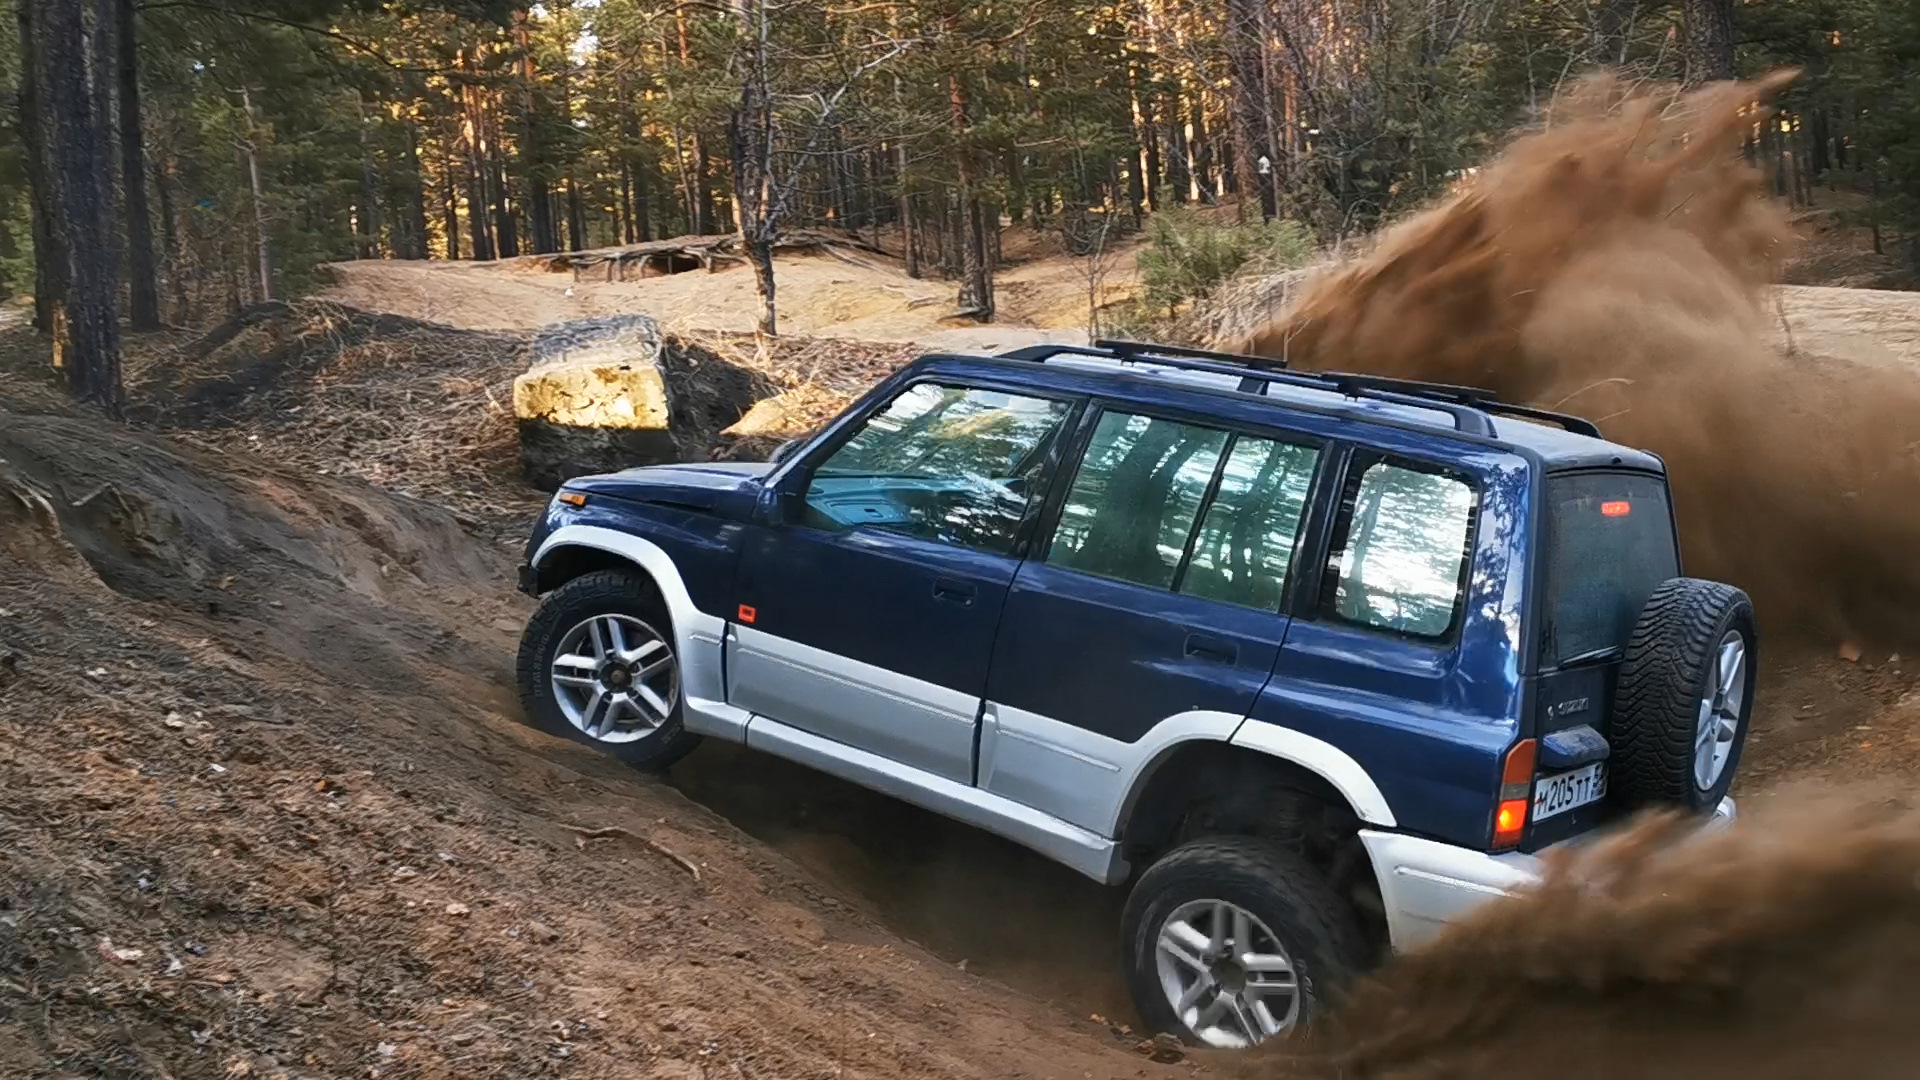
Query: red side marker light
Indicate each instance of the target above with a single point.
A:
(1617, 508)
(748, 613)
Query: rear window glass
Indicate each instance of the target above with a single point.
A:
(1611, 542)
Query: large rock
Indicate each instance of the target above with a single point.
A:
(610, 393)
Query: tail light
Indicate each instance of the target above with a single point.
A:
(1516, 787)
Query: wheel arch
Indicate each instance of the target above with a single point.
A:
(572, 550)
(1313, 765)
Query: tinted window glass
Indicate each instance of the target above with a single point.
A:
(1246, 536)
(1133, 502)
(955, 464)
(1400, 548)
(1611, 537)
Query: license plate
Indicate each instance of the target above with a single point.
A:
(1554, 795)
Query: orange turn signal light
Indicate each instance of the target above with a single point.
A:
(572, 498)
(1516, 786)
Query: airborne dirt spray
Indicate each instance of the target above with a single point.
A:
(1615, 263)
(1781, 950)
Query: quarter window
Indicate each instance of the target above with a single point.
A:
(1399, 556)
(955, 464)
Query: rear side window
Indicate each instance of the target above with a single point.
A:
(1189, 509)
(1398, 561)
(1610, 542)
(1245, 545)
(1134, 500)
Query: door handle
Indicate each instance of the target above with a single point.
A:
(954, 592)
(1208, 647)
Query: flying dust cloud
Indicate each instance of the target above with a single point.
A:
(1779, 950)
(1615, 263)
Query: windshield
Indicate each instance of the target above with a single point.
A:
(1610, 538)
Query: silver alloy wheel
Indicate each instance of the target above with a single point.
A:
(1226, 974)
(614, 678)
(1719, 718)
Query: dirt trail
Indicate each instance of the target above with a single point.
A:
(1616, 264)
(865, 297)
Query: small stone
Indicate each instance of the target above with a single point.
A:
(542, 933)
(457, 909)
(174, 721)
(386, 1050)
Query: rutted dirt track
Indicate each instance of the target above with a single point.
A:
(270, 809)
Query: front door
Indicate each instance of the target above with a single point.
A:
(1158, 602)
(868, 615)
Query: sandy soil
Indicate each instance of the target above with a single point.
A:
(860, 296)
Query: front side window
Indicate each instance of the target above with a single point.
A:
(960, 465)
(1400, 547)
(1134, 500)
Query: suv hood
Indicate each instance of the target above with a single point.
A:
(701, 485)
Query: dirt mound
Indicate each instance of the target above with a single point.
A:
(271, 812)
(412, 406)
(1615, 264)
(1781, 949)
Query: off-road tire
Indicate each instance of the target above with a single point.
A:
(1662, 679)
(602, 592)
(1283, 890)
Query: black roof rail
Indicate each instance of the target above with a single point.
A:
(1466, 418)
(1148, 348)
(1467, 405)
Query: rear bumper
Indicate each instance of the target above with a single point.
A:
(1425, 884)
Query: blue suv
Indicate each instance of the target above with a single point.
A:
(1314, 662)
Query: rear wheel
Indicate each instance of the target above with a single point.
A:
(1685, 696)
(598, 665)
(1230, 941)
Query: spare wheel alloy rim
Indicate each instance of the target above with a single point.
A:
(614, 678)
(1720, 707)
(1226, 974)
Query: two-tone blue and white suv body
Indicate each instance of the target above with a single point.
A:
(1316, 663)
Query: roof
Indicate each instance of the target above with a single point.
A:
(1559, 441)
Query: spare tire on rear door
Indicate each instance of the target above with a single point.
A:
(1684, 696)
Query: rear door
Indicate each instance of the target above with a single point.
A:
(867, 611)
(1156, 601)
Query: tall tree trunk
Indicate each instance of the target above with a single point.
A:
(143, 293)
(173, 253)
(449, 207)
(506, 233)
(700, 206)
(49, 260)
(262, 246)
(87, 336)
(533, 157)
(367, 221)
(576, 217)
(976, 281)
(416, 182)
(750, 138)
(1709, 35)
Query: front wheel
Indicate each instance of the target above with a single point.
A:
(1231, 941)
(598, 665)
